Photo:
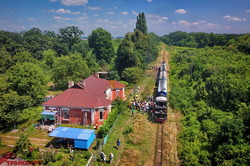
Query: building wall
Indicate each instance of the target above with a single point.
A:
(113, 95)
(80, 116)
(108, 93)
(99, 121)
(76, 116)
(120, 94)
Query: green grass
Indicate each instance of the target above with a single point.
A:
(123, 121)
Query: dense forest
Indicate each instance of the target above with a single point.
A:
(201, 40)
(32, 59)
(211, 87)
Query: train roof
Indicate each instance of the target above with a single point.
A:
(161, 99)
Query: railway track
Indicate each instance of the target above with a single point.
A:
(159, 145)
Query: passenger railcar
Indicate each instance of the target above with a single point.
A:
(160, 108)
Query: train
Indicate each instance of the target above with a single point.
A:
(160, 107)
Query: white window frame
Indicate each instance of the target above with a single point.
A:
(101, 111)
(64, 110)
(52, 108)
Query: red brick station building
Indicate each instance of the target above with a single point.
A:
(86, 103)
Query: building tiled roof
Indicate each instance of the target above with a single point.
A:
(89, 93)
(77, 97)
(96, 85)
(116, 85)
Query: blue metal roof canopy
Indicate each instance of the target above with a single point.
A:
(83, 138)
(48, 113)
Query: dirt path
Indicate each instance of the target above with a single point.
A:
(171, 131)
(159, 145)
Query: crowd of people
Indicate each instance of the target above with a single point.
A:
(142, 106)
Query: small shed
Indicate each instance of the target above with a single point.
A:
(83, 138)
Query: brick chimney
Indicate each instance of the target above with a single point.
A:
(83, 83)
(70, 84)
(97, 75)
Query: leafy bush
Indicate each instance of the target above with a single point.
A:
(58, 156)
(48, 157)
(119, 106)
(22, 144)
(132, 74)
(108, 123)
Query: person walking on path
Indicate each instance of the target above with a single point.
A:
(118, 143)
(102, 156)
(111, 157)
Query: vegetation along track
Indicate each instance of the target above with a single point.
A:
(159, 145)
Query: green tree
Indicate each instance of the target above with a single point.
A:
(11, 106)
(228, 154)
(132, 74)
(231, 131)
(180, 38)
(48, 59)
(70, 35)
(154, 38)
(81, 47)
(28, 79)
(136, 50)
(22, 57)
(227, 92)
(11, 41)
(244, 114)
(145, 47)
(244, 44)
(35, 42)
(22, 144)
(6, 60)
(141, 24)
(201, 38)
(92, 62)
(126, 56)
(101, 43)
(69, 68)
